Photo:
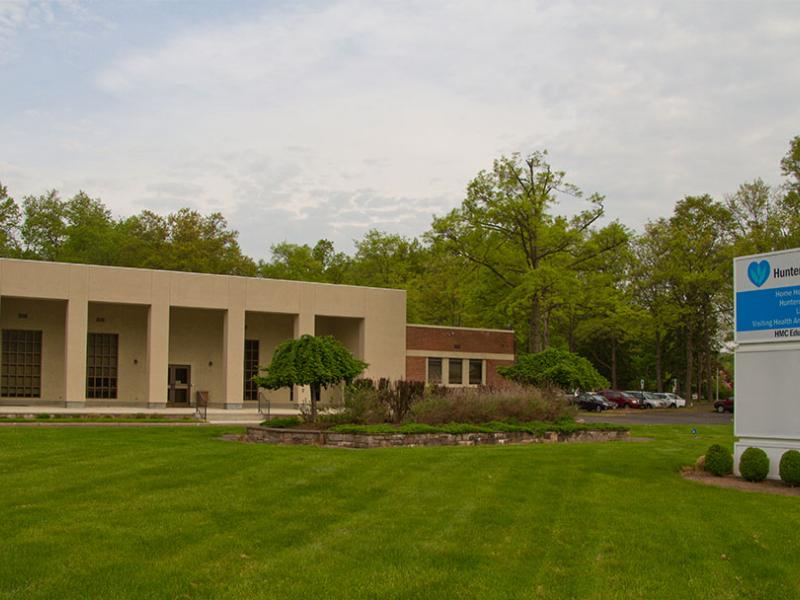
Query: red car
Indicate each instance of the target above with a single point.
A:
(621, 399)
(725, 405)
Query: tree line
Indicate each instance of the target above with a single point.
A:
(653, 305)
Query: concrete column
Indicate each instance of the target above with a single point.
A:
(233, 357)
(75, 336)
(303, 325)
(157, 354)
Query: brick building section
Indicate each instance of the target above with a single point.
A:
(457, 341)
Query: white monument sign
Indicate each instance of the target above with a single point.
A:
(767, 336)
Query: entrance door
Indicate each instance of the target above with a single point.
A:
(179, 384)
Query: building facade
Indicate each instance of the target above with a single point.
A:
(84, 335)
(457, 356)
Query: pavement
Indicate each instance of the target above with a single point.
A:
(240, 416)
(702, 414)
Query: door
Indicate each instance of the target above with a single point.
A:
(179, 384)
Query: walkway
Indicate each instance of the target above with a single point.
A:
(242, 416)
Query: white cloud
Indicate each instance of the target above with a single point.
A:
(321, 122)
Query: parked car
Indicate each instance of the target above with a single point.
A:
(648, 399)
(724, 405)
(621, 399)
(673, 400)
(594, 402)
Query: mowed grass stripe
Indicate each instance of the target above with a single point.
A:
(174, 513)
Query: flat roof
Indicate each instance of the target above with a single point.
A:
(94, 266)
(460, 328)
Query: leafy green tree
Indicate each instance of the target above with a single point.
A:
(651, 289)
(790, 165)
(204, 244)
(441, 293)
(754, 217)
(314, 361)
(146, 240)
(303, 263)
(44, 227)
(9, 224)
(699, 254)
(91, 235)
(386, 260)
(789, 202)
(506, 225)
(561, 368)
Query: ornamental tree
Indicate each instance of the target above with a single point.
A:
(313, 361)
(561, 368)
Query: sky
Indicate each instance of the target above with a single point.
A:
(308, 120)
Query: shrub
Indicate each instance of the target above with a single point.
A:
(362, 405)
(790, 467)
(754, 464)
(718, 461)
(400, 396)
(282, 423)
(561, 368)
(536, 427)
(481, 405)
(43, 416)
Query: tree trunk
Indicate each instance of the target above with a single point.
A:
(711, 373)
(614, 363)
(315, 394)
(689, 365)
(534, 323)
(659, 377)
(699, 375)
(571, 333)
(546, 331)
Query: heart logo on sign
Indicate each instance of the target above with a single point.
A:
(758, 272)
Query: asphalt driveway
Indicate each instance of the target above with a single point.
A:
(702, 414)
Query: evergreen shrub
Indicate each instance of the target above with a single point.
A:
(754, 464)
(790, 467)
(719, 461)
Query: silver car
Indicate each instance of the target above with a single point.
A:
(649, 399)
(673, 400)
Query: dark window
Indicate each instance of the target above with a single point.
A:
(455, 376)
(250, 369)
(21, 373)
(434, 370)
(101, 365)
(475, 372)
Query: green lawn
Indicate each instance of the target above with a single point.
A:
(176, 513)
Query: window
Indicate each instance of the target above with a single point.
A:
(22, 364)
(434, 370)
(101, 365)
(475, 372)
(250, 369)
(455, 376)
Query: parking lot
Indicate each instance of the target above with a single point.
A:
(702, 414)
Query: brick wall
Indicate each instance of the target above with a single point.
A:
(493, 378)
(461, 340)
(415, 368)
(455, 342)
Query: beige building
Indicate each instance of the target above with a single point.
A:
(83, 335)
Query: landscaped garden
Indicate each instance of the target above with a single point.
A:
(179, 513)
(530, 406)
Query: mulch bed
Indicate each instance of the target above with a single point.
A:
(768, 486)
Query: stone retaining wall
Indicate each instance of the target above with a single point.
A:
(269, 435)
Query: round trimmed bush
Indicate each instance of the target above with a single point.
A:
(719, 461)
(790, 467)
(754, 464)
